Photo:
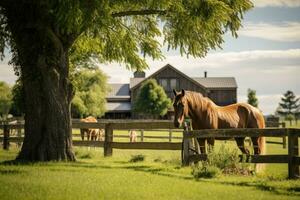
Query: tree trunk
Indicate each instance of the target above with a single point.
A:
(47, 111)
(40, 52)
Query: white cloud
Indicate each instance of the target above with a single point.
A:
(284, 32)
(6, 73)
(276, 3)
(269, 72)
(267, 103)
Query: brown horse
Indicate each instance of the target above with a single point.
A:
(205, 114)
(92, 134)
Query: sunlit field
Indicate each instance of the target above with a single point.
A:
(159, 176)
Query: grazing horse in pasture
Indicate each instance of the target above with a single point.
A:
(92, 134)
(205, 114)
(132, 136)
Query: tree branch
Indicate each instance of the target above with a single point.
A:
(139, 12)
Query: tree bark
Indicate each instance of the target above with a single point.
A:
(41, 53)
(47, 114)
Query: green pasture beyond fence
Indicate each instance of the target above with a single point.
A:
(188, 156)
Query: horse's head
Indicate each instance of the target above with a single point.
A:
(180, 107)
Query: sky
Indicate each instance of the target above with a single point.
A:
(265, 57)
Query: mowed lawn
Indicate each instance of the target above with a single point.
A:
(159, 176)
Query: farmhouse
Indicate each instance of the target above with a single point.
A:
(120, 100)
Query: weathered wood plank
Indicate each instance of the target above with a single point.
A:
(12, 126)
(88, 143)
(147, 145)
(108, 149)
(293, 152)
(16, 139)
(143, 125)
(250, 159)
(95, 125)
(230, 133)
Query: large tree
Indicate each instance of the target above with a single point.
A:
(152, 100)
(43, 35)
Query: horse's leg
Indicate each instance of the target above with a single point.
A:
(256, 147)
(211, 142)
(82, 134)
(202, 145)
(241, 145)
(88, 134)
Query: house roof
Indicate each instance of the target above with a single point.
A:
(173, 68)
(206, 83)
(119, 91)
(217, 82)
(118, 106)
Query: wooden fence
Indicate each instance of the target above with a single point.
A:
(293, 159)
(188, 156)
(109, 126)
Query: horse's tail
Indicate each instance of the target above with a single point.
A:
(262, 140)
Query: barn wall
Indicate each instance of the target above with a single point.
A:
(223, 97)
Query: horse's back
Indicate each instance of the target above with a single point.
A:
(240, 115)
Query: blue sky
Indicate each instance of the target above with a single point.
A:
(265, 56)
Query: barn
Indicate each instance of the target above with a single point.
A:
(120, 100)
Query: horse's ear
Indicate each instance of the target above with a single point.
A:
(182, 92)
(175, 93)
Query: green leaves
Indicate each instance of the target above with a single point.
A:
(289, 104)
(5, 99)
(252, 100)
(91, 89)
(152, 99)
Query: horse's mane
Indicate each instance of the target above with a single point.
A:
(208, 110)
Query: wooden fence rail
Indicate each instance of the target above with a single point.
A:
(109, 126)
(292, 158)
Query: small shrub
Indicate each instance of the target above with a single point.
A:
(83, 154)
(206, 171)
(226, 161)
(137, 158)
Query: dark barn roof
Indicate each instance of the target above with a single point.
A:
(119, 91)
(217, 82)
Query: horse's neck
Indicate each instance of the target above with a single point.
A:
(200, 114)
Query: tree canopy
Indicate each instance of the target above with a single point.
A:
(252, 100)
(18, 107)
(5, 99)
(91, 90)
(122, 30)
(152, 99)
(50, 39)
(289, 106)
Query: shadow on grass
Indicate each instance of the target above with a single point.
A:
(260, 185)
(11, 171)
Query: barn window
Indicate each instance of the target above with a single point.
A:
(164, 83)
(169, 84)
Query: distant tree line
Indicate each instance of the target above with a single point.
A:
(90, 92)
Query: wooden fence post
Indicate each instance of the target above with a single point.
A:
(108, 151)
(19, 133)
(142, 135)
(170, 135)
(6, 137)
(185, 149)
(284, 137)
(293, 151)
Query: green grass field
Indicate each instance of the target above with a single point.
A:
(159, 176)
